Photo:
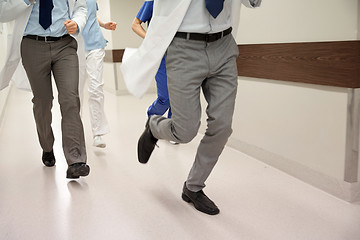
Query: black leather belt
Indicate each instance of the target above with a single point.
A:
(46, 39)
(211, 37)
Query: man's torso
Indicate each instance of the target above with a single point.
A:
(60, 14)
(199, 20)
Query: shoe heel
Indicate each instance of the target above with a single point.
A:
(185, 198)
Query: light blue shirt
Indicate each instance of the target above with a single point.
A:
(60, 14)
(199, 20)
(93, 37)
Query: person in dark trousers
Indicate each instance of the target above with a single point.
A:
(48, 48)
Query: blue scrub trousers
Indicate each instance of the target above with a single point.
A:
(162, 103)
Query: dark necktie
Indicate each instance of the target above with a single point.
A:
(214, 7)
(45, 8)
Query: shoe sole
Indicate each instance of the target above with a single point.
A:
(100, 145)
(49, 164)
(81, 172)
(188, 200)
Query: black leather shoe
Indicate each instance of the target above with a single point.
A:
(200, 200)
(146, 144)
(77, 170)
(48, 158)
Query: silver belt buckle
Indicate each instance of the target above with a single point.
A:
(47, 41)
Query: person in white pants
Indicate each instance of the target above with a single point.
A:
(95, 43)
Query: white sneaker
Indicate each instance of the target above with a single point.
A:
(99, 142)
(173, 143)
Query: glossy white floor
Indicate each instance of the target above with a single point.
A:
(122, 199)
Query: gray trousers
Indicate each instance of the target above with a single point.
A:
(192, 66)
(40, 59)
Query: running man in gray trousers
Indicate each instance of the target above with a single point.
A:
(202, 56)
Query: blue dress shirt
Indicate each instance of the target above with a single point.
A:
(60, 14)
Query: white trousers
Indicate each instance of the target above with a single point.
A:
(94, 69)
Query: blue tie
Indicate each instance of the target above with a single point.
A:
(45, 9)
(214, 7)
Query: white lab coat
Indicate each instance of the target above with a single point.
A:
(10, 9)
(12, 70)
(140, 65)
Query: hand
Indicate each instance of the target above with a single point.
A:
(71, 26)
(110, 25)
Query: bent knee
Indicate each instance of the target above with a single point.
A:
(186, 135)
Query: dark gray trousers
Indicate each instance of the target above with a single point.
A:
(192, 66)
(40, 59)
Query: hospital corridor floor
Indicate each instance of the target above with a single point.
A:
(123, 199)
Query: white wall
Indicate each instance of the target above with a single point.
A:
(124, 12)
(105, 16)
(298, 21)
(294, 126)
(305, 124)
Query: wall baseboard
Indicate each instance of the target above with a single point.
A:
(349, 192)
